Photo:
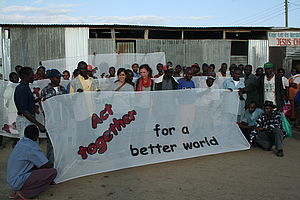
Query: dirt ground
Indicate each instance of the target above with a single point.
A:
(253, 174)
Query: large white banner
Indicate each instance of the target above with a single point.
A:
(8, 111)
(96, 132)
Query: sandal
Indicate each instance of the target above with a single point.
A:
(13, 196)
(20, 197)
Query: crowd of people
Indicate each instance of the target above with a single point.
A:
(265, 94)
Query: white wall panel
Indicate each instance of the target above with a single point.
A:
(76, 40)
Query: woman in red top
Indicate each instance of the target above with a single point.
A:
(145, 83)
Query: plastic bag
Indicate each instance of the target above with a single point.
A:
(286, 126)
(287, 109)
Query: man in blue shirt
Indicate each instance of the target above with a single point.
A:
(248, 122)
(186, 82)
(28, 170)
(25, 102)
(235, 83)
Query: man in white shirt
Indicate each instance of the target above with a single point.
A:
(271, 87)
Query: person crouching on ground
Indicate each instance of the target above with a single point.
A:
(248, 122)
(28, 170)
(268, 131)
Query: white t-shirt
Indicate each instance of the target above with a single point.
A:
(269, 89)
(56, 89)
(219, 74)
(285, 82)
(202, 84)
(236, 82)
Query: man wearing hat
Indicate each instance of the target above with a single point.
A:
(269, 131)
(90, 71)
(52, 89)
(167, 81)
(208, 82)
(271, 88)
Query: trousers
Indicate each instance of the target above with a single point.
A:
(37, 182)
(267, 140)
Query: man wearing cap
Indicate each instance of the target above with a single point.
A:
(270, 87)
(52, 89)
(167, 81)
(83, 82)
(90, 71)
(209, 81)
(269, 131)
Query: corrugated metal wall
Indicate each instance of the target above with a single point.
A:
(101, 46)
(208, 51)
(183, 52)
(187, 52)
(258, 53)
(292, 53)
(239, 60)
(31, 45)
(76, 46)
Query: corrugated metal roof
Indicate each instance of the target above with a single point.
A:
(142, 26)
(127, 26)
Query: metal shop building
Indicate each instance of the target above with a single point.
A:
(27, 44)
